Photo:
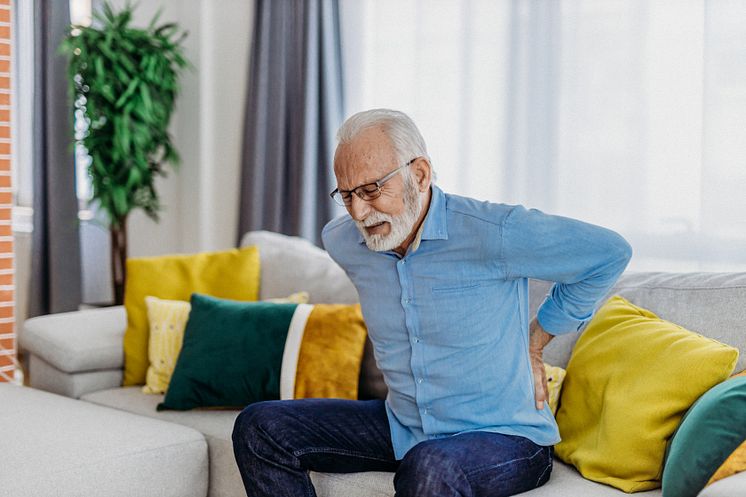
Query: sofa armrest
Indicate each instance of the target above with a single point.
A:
(78, 341)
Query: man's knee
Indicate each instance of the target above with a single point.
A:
(428, 470)
(255, 420)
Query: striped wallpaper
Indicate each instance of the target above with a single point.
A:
(7, 297)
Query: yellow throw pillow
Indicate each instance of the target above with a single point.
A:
(630, 379)
(167, 320)
(323, 352)
(555, 378)
(231, 274)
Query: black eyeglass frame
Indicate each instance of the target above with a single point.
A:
(361, 192)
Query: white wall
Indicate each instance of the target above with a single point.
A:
(201, 199)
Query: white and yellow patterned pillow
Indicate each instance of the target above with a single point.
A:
(167, 320)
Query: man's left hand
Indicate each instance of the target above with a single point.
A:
(537, 339)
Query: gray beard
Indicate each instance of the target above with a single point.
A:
(401, 225)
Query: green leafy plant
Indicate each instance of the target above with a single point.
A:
(124, 82)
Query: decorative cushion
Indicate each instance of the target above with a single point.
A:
(330, 353)
(555, 378)
(710, 432)
(231, 274)
(167, 320)
(236, 353)
(630, 379)
(231, 354)
(735, 463)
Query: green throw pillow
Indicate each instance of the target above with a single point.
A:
(710, 431)
(231, 354)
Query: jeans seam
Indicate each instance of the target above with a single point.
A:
(493, 466)
(341, 452)
(549, 467)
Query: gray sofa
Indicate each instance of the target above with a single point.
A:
(79, 355)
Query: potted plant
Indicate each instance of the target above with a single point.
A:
(124, 82)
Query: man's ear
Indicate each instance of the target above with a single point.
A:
(422, 174)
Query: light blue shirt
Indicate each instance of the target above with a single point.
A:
(449, 320)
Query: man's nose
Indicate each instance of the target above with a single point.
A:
(358, 208)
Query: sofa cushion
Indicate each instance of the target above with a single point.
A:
(229, 274)
(225, 480)
(564, 482)
(59, 446)
(630, 379)
(215, 425)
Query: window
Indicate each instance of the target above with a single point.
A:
(631, 115)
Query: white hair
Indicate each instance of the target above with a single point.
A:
(399, 127)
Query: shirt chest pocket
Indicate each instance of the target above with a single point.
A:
(463, 313)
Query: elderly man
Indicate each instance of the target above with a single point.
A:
(443, 284)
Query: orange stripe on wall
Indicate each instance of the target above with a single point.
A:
(7, 328)
(5, 361)
(6, 312)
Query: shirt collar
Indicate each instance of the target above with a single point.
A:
(434, 227)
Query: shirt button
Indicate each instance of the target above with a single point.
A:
(417, 339)
(419, 380)
(407, 301)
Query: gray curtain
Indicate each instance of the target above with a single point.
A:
(55, 257)
(294, 107)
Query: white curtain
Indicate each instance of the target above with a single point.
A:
(630, 114)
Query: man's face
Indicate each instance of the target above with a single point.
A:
(386, 221)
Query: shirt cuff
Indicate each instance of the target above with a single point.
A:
(556, 321)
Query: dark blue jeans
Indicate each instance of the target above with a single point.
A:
(276, 444)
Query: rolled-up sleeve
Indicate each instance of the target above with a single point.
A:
(584, 261)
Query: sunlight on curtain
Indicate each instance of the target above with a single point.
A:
(629, 114)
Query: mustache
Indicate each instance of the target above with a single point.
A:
(375, 218)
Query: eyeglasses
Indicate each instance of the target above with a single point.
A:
(368, 191)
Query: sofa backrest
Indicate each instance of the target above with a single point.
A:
(291, 264)
(712, 304)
